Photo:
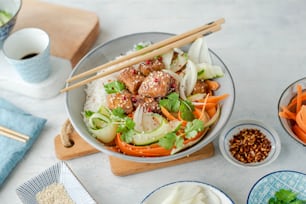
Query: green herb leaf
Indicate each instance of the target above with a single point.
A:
(179, 142)
(201, 72)
(126, 128)
(139, 47)
(119, 112)
(284, 196)
(168, 141)
(127, 136)
(114, 87)
(88, 113)
(171, 103)
(193, 128)
(186, 109)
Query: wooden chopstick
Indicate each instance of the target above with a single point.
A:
(139, 58)
(148, 49)
(13, 134)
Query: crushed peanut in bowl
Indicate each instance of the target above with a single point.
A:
(249, 143)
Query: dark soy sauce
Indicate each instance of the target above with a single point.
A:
(29, 56)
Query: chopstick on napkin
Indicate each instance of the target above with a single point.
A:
(12, 151)
(13, 134)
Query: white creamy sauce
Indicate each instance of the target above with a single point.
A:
(187, 194)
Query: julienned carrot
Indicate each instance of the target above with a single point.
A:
(152, 150)
(211, 111)
(204, 106)
(167, 114)
(298, 97)
(286, 113)
(179, 115)
(215, 99)
(301, 118)
(293, 102)
(299, 132)
(207, 105)
(213, 85)
(296, 112)
(197, 112)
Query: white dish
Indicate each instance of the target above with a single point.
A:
(266, 186)
(58, 173)
(234, 127)
(161, 193)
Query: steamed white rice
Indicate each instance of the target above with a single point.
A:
(95, 93)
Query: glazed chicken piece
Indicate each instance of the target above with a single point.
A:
(149, 103)
(131, 78)
(156, 84)
(122, 100)
(151, 65)
(200, 87)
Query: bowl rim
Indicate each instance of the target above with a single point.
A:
(260, 125)
(281, 120)
(173, 183)
(13, 18)
(175, 156)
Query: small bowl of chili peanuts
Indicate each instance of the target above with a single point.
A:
(249, 143)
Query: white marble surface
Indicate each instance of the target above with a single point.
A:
(262, 42)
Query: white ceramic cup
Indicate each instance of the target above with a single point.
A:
(28, 50)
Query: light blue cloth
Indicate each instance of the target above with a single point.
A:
(12, 151)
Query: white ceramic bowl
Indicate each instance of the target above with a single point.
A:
(284, 100)
(75, 98)
(163, 192)
(13, 7)
(266, 186)
(235, 127)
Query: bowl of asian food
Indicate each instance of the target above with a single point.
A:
(292, 110)
(9, 10)
(160, 109)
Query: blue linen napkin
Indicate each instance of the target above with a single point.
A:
(12, 151)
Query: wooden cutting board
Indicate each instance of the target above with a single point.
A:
(72, 31)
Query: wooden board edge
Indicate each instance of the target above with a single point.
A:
(120, 167)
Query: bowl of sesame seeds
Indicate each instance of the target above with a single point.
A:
(249, 143)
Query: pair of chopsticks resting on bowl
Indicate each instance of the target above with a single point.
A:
(13, 134)
(145, 53)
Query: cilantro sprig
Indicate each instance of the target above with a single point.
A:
(185, 108)
(190, 131)
(193, 128)
(285, 196)
(173, 103)
(170, 140)
(125, 124)
(114, 87)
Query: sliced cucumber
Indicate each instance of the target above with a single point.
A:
(98, 121)
(144, 138)
(207, 71)
(4, 17)
(105, 111)
(105, 134)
